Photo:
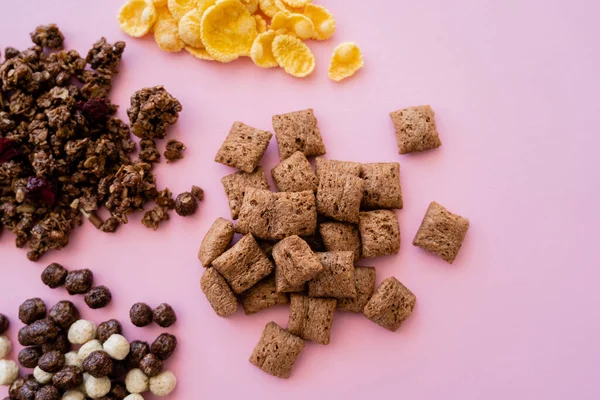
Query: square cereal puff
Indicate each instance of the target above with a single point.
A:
(343, 167)
(243, 265)
(263, 295)
(382, 186)
(415, 129)
(310, 318)
(235, 187)
(337, 278)
(298, 131)
(283, 286)
(339, 196)
(296, 261)
(294, 174)
(379, 233)
(339, 236)
(391, 304)
(216, 241)
(364, 280)
(441, 232)
(244, 147)
(276, 351)
(218, 293)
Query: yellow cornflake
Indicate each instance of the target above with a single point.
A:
(179, 8)
(228, 30)
(166, 32)
(189, 28)
(295, 24)
(201, 54)
(287, 8)
(345, 61)
(159, 3)
(261, 23)
(293, 55)
(262, 50)
(268, 7)
(251, 5)
(322, 20)
(136, 17)
(296, 3)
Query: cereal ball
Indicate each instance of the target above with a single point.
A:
(5, 346)
(119, 368)
(98, 297)
(96, 387)
(72, 359)
(64, 314)
(151, 365)
(164, 346)
(140, 314)
(82, 331)
(107, 328)
(98, 364)
(163, 383)
(134, 396)
(117, 347)
(14, 388)
(73, 395)
(164, 315)
(68, 378)
(61, 343)
(89, 348)
(136, 381)
(41, 376)
(52, 362)
(138, 350)
(9, 371)
(118, 391)
(29, 356)
(54, 275)
(3, 324)
(48, 392)
(29, 388)
(186, 204)
(79, 281)
(31, 310)
(38, 333)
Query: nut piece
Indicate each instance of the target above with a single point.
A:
(98, 297)
(52, 362)
(164, 315)
(79, 281)
(47, 392)
(64, 314)
(117, 347)
(163, 384)
(41, 376)
(107, 328)
(29, 356)
(82, 331)
(9, 371)
(186, 204)
(68, 378)
(31, 310)
(140, 314)
(98, 364)
(54, 275)
(164, 346)
(151, 365)
(3, 323)
(137, 352)
(136, 381)
(5, 347)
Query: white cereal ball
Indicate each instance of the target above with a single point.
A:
(116, 346)
(96, 387)
(72, 359)
(88, 348)
(163, 383)
(42, 377)
(136, 381)
(134, 396)
(73, 395)
(5, 346)
(9, 371)
(82, 331)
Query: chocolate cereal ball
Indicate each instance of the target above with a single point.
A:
(118, 391)
(3, 324)
(151, 365)
(29, 389)
(140, 314)
(29, 356)
(98, 297)
(61, 343)
(79, 281)
(54, 275)
(107, 328)
(52, 362)
(164, 346)
(98, 364)
(68, 378)
(164, 315)
(38, 333)
(13, 389)
(137, 351)
(119, 368)
(64, 314)
(186, 204)
(31, 310)
(42, 377)
(48, 392)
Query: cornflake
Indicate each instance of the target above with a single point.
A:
(179, 8)
(322, 20)
(295, 24)
(136, 17)
(293, 56)
(166, 32)
(268, 7)
(345, 61)
(201, 54)
(262, 50)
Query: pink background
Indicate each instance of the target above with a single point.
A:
(515, 87)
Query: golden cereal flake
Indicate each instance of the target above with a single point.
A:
(159, 3)
(251, 5)
(166, 32)
(261, 23)
(287, 8)
(296, 3)
(262, 50)
(179, 8)
(189, 28)
(322, 20)
(136, 17)
(345, 61)
(293, 55)
(268, 7)
(228, 30)
(295, 24)
(201, 54)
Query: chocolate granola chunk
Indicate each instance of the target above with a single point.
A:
(152, 111)
(165, 199)
(198, 192)
(105, 56)
(174, 150)
(48, 36)
(148, 151)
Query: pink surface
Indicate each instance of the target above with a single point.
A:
(515, 88)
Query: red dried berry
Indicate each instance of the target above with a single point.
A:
(40, 190)
(8, 150)
(94, 110)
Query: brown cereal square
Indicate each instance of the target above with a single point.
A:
(283, 286)
(276, 351)
(364, 280)
(244, 147)
(441, 232)
(263, 295)
(274, 216)
(311, 318)
(391, 304)
(382, 186)
(379, 233)
(337, 278)
(235, 187)
(296, 261)
(218, 293)
(415, 129)
(343, 167)
(339, 236)
(339, 196)
(216, 241)
(243, 265)
(298, 131)
(294, 174)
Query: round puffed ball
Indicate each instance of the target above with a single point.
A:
(60, 343)
(98, 297)
(52, 361)
(89, 348)
(96, 387)
(64, 314)
(140, 314)
(42, 376)
(29, 388)
(5, 346)
(54, 275)
(73, 395)
(164, 315)
(72, 359)
(136, 381)
(138, 350)
(68, 378)
(3, 323)
(119, 369)
(79, 282)
(9, 371)
(117, 347)
(82, 331)
(118, 391)
(185, 204)
(98, 364)
(107, 328)
(133, 396)
(31, 310)
(163, 383)
(151, 365)
(13, 389)
(164, 345)
(29, 356)
(48, 392)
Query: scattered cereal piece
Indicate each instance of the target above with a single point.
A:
(164, 315)
(261, 24)
(218, 293)
(88, 348)
(293, 56)
(263, 295)
(152, 110)
(296, 260)
(164, 346)
(152, 218)
(295, 174)
(98, 297)
(235, 186)
(189, 28)
(216, 241)
(364, 280)
(379, 233)
(5, 347)
(98, 364)
(297, 3)
(38, 333)
(311, 318)
(178, 8)
(276, 351)
(137, 17)
(9, 371)
(391, 304)
(151, 365)
(337, 278)
(322, 20)
(382, 186)
(268, 7)
(96, 387)
(441, 232)
(70, 377)
(55, 275)
(79, 281)
(140, 314)
(262, 50)
(198, 192)
(117, 346)
(64, 314)
(28, 357)
(163, 384)
(31, 310)
(82, 331)
(294, 24)
(345, 61)
(201, 54)
(185, 204)
(244, 147)
(148, 151)
(339, 196)
(72, 359)
(339, 236)
(298, 131)
(166, 31)
(415, 129)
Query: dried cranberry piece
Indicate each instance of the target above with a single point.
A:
(94, 110)
(8, 150)
(40, 190)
